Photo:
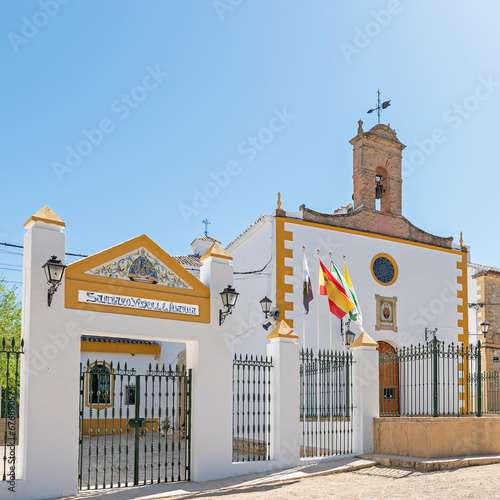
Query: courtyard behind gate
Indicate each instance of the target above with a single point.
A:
(134, 427)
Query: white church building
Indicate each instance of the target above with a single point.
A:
(408, 282)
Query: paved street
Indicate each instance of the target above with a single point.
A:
(373, 483)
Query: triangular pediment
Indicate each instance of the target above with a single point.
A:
(139, 270)
(140, 265)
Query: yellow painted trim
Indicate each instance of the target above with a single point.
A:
(216, 251)
(396, 270)
(462, 296)
(76, 279)
(120, 347)
(111, 388)
(463, 322)
(370, 235)
(282, 270)
(47, 215)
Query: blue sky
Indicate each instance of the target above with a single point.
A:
(162, 99)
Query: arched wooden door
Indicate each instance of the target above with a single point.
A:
(389, 380)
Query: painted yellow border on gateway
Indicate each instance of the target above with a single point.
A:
(76, 279)
(120, 347)
(393, 262)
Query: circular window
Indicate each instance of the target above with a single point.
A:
(384, 269)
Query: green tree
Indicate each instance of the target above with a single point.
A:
(10, 341)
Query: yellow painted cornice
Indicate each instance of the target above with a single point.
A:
(120, 347)
(364, 340)
(45, 214)
(282, 331)
(216, 251)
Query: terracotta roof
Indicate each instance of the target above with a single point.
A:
(188, 260)
(206, 238)
(262, 218)
(120, 340)
(481, 267)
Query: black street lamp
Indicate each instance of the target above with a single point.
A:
(265, 303)
(229, 297)
(484, 327)
(349, 337)
(54, 271)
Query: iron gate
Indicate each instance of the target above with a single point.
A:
(134, 428)
(326, 403)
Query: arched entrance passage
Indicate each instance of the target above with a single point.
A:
(389, 380)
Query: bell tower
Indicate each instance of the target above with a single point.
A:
(377, 169)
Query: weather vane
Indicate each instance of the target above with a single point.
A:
(205, 221)
(379, 107)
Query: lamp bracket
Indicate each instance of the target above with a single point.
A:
(476, 306)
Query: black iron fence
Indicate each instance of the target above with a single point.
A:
(10, 369)
(436, 380)
(326, 405)
(251, 408)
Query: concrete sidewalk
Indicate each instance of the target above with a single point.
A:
(309, 468)
(166, 490)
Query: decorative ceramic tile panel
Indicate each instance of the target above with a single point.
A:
(142, 266)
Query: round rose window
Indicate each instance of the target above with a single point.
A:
(384, 269)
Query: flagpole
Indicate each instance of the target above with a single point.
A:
(319, 270)
(331, 323)
(304, 320)
(318, 396)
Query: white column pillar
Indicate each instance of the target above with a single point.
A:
(283, 347)
(365, 374)
(48, 447)
(212, 392)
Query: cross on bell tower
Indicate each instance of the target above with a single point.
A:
(205, 221)
(380, 106)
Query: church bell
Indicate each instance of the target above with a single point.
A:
(378, 189)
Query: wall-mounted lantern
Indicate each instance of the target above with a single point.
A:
(54, 271)
(229, 297)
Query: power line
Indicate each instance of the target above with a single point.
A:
(11, 245)
(11, 253)
(21, 246)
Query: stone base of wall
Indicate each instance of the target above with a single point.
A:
(6, 425)
(250, 446)
(427, 437)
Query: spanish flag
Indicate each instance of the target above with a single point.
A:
(338, 300)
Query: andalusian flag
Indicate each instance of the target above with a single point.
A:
(307, 288)
(352, 294)
(340, 304)
(349, 291)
